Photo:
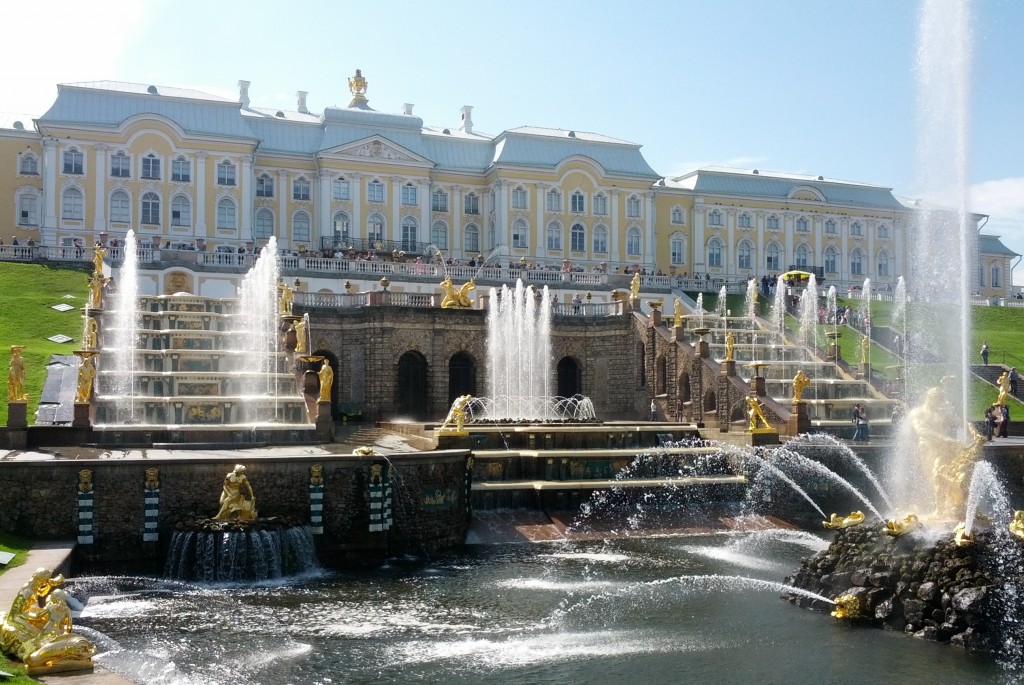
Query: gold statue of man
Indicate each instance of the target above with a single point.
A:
(92, 333)
(864, 342)
(634, 285)
(730, 345)
(96, 284)
(23, 619)
(326, 374)
(237, 500)
(287, 298)
(56, 647)
(86, 375)
(457, 413)
(800, 383)
(756, 413)
(678, 314)
(98, 253)
(1004, 387)
(16, 376)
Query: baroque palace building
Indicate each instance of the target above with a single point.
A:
(192, 171)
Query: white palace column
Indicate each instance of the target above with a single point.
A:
(788, 228)
(425, 202)
(729, 258)
(358, 228)
(99, 222)
(699, 251)
(650, 255)
(760, 258)
(396, 210)
(284, 234)
(870, 263)
(501, 190)
(455, 244)
(48, 232)
(843, 246)
(899, 262)
(614, 230)
(248, 197)
(323, 205)
(817, 226)
(200, 181)
(538, 245)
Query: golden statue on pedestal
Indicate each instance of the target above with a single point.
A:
(326, 375)
(678, 314)
(755, 412)
(457, 298)
(237, 500)
(456, 414)
(1003, 382)
(864, 350)
(86, 376)
(730, 345)
(284, 305)
(98, 253)
(92, 333)
(38, 631)
(634, 285)
(16, 376)
(800, 382)
(96, 284)
(835, 522)
(301, 333)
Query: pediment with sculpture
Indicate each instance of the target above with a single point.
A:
(376, 148)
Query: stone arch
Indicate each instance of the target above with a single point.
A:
(570, 377)
(461, 376)
(411, 399)
(710, 400)
(683, 387)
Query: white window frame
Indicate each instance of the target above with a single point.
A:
(28, 165)
(578, 203)
(577, 238)
(633, 207)
(120, 165)
(830, 227)
(802, 256)
(301, 188)
(181, 170)
(375, 192)
(263, 224)
(343, 232)
(772, 224)
(120, 207)
(745, 255)
(471, 204)
(72, 204)
(151, 170)
(553, 200)
(410, 234)
(553, 237)
(227, 214)
(226, 174)
(520, 198)
(856, 262)
(715, 250)
(883, 263)
(439, 201)
(28, 216)
(856, 228)
(831, 260)
(633, 242)
(264, 186)
(73, 162)
(677, 249)
(471, 239)
(341, 189)
(150, 209)
(744, 221)
(181, 205)
(803, 225)
(302, 226)
(439, 235)
(520, 234)
(600, 239)
(600, 204)
(376, 227)
(773, 257)
(409, 195)
(715, 218)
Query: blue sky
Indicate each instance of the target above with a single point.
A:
(805, 86)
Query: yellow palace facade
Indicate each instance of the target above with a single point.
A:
(191, 171)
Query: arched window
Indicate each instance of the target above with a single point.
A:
(772, 260)
(830, 226)
(151, 167)
(831, 255)
(579, 203)
(715, 218)
(72, 204)
(857, 262)
(409, 226)
(28, 165)
(801, 256)
(341, 227)
(74, 162)
(633, 242)
(677, 248)
(553, 200)
(264, 186)
(744, 220)
(677, 215)
(883, 263)
(300, 189)
(803, 225)
(745, 255)
(554, 236)
(471, 239)
(151, 209)
(773, 223)
(375, 228)
(997, 281)
(715, 253)
(578, 238)
(520, 233)
(181, 211)
(439, 234)
(263, 227)
(227, 219)
(520, 198)
(300, 227)
(28, 208)
(120, 207)
(600, 239)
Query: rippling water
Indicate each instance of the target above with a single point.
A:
(639, 609)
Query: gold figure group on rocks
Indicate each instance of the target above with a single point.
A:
(38, 628)
(237, 501)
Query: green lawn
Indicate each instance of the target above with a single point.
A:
(12, 543)
(29, 290)
(19, 674)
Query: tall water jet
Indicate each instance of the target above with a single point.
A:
(750, 303)
(722, 303)
(255, 331)
(865, 313)
(519, 358)
(809, 314)
(700, 310)
(124, 334)
(779, 306)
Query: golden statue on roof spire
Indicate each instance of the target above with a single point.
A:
(357, 86)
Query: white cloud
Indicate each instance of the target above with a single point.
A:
(71, 41)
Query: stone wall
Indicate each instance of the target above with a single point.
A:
(430, 509)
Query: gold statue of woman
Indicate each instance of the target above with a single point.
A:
(678, 314)
(800, 383)
(97, 258)
(1004, 387)
(634, 285)
(864, 350)
(16, 376)
(326, 374)
(730, 344)
(92, 333)
(86, 375)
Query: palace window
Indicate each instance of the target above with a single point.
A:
(181, 170)
(519, 198)
(772, 260)
(439, 235)
(29, 165)
(773, 223)
(409, 234)
(181, 211)
(375, 228)
(439, 201)
(226, 215)
(715, 218)
(74, 162)
(633, 207)
(120, 165)
(883, 231)
(120, 207)
(520, 234)
(264, 186)
(883, 263)
(633, 242)
(715, 253)
(151, 209)
(801, 256)
(375, 191)
(151, 167)
(300, 189)
(263, 226)
(72, 204)
(831, 255)
(226, 174)
(803, 225)
(830, 226)
(28, 209)
(601, 204)
(471, 204)
(577, 238)
(341, 189)
(600, 240)
(409, 196)
(745, 255)
(300, 227)
(677, 215)
(744, 220)
(554, 236)
(471, 239)
(855, 228)
(857, 263)
(553, 200)
(578, 202)
(341, 227)
(996, 278)
(677, 248)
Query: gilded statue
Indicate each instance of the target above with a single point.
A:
(1017, 524)
(86, 376)
(316, 475)
(153, 478)
(237, 500)
(85, 481)
(98, 253)
(755, 413)
(16, 376)
(92, 333)
(96, 284)
(730, 346)
(836, 522)
(800, 382)
(634, 285)
(457, 413)
(897, 527)
(55, 647)
(23, 620)
(286, 300)
(847, 606)
(678, 314)
(456, 297)
(864, 350)
(357, 86)
(301, 332)
(961, 538)
(364, 451)
(1004, 387)
(326, 374)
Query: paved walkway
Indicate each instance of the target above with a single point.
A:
(55, 556)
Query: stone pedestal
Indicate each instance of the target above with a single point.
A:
(81, 415)
(758, 386)
(453, 440)
(703, 349)
(729, 367)
(799, 421)
(655, 318)
(833, 355)
(865, 371)
(17, 425)
(676, 335)
(324, 422)
(763, 436)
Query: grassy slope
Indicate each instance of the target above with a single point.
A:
(27, 292)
